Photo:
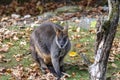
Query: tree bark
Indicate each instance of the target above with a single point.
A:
(106, 31)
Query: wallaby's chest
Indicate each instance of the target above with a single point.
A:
(62, 53)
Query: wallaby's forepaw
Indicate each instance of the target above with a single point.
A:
(59, 76)
(62, 69)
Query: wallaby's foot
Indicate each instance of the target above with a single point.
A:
(51, 69)
(59, 76)
(44, 70)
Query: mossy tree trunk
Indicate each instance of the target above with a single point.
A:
(106, 31)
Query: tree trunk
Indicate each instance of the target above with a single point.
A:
(106, 31)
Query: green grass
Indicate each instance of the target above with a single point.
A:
(14, 50)
(5, 77)
(79, 74)
(77, 71)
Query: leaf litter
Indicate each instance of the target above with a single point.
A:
(33, 72)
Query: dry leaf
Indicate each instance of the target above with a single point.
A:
(2, 71)
(111, 59)
(78, 29)
(17, 72)
(23, 43)
(4, 48)
(2, 56)
(18, 57)
(73, 74)
(92, 31)
(15, 38)
(10, 44)
(78, 45)
(77, 21)
(8, 70)
(114, 65)
(4, 19)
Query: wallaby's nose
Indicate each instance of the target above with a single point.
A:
(62, 45)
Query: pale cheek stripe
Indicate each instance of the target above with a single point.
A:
(56, 39)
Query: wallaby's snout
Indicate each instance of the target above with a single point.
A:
(62, 44)
(63, 41)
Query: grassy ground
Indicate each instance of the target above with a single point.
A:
(82, 40)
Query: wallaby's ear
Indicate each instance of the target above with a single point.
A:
(57, 30)
(65, 30)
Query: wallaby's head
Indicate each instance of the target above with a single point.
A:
(61, 36)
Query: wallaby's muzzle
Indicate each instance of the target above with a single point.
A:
(61, 44)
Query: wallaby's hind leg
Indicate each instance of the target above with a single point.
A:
(40, 61)
(43, 66)
(50, 67)
(33, 52)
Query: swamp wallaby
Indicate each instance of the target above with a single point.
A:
(49, 43)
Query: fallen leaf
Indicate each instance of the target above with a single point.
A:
(114, 65)
(73, 74)
(2, 56)
(8, 70)
(4, 48)
(23, 43)
(18, 72)
(111, 59)
(78, 29)
(92, 31)
(78, 45)
(10, 44)
(18, 57)
(77, 21)
(15, 38)
(117, 75)
(34, 65)
(2, 70)
(4, 19)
